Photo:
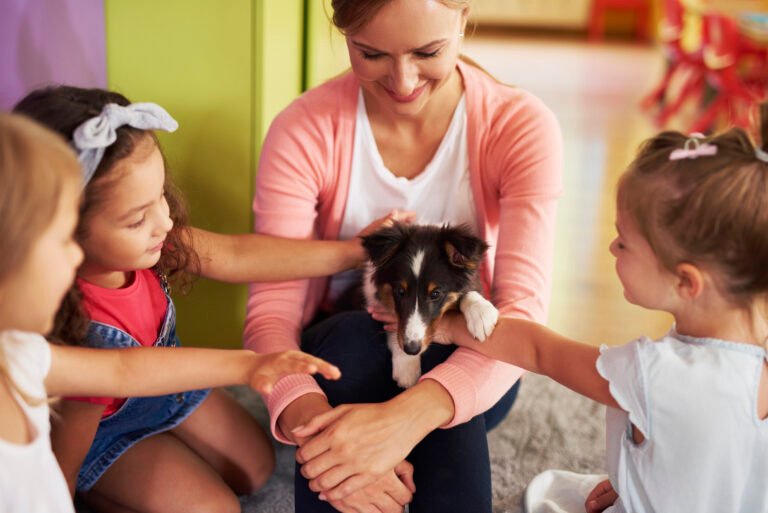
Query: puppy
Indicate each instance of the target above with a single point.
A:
(420, 272)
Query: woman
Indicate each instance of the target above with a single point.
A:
(411, 126)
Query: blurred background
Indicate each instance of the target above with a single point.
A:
(613, 71)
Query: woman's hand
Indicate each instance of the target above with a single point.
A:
(384, 315)
(389, 494)
(267, 369)
(353, 445)
(601, 497)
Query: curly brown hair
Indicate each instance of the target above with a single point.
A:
(63, 109)
(710, 211)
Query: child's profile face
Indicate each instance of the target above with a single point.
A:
(31, 296)
(127, 230)
(646, 283)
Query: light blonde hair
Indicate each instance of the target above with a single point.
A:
(709, 211)
(35, 164)
(349, 16)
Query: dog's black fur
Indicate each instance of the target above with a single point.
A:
(422, 271)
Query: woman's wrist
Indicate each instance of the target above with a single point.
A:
(426, 406)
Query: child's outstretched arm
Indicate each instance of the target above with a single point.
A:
(538, 349)
(254, 257)
(157, 371)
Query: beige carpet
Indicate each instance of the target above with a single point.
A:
(549, 427)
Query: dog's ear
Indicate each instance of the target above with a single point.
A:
(382, 244)
(464, 249)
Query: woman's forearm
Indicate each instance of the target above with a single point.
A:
(252, 257)
(429, 406)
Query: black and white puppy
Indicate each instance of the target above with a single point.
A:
(420, 272)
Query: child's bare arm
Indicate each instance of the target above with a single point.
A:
(538, 349)
(256, 258)
(253, 257)
(73, 427)
(156, 371)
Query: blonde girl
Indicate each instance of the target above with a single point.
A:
(135, 238)
(686, 417)
(40, 182)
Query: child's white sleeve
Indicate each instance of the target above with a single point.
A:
(622, 367)
(29, 360)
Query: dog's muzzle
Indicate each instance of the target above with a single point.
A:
(412, 347)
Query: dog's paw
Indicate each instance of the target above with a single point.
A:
(406, 370)
(480, 314)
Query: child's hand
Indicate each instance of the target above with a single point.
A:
(394, 216)
(601, 497)
(268, 369)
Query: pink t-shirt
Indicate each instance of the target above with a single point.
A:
(515, 160)
(138, 309)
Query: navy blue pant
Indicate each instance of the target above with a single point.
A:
(451, 466)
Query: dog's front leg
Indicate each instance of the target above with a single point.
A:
(406, 369)
(480, 314)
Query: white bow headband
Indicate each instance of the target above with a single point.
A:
(93, 136)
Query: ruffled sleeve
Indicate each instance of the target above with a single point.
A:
(29, 359)
(622, 367)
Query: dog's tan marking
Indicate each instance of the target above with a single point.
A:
(457, 259)
(385, 296)
(451, 303)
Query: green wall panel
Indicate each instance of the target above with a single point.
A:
(326, 50)
(223, 70)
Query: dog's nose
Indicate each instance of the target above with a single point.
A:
(412, 347)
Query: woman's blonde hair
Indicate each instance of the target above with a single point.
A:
(349, 16)
(711, 210)
(35, 164)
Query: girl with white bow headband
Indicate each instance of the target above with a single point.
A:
(134, 233)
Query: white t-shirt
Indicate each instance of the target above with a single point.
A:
(441, 193)
(705, 448)
(30, 478)
(695, 400)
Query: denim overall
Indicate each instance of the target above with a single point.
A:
(138, 417)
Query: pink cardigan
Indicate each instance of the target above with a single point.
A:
(515, 159)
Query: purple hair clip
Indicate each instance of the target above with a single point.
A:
(694, 148)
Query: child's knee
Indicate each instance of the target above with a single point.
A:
(224, 502)
(256, 475)
(264, 470)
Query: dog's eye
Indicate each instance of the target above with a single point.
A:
(400, 291)
(435, 295)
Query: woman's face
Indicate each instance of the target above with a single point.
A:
(406, 53)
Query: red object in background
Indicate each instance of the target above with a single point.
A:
(641, 8)
(735, 69)
(681, 65)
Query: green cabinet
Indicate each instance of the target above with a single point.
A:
(223, 70)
